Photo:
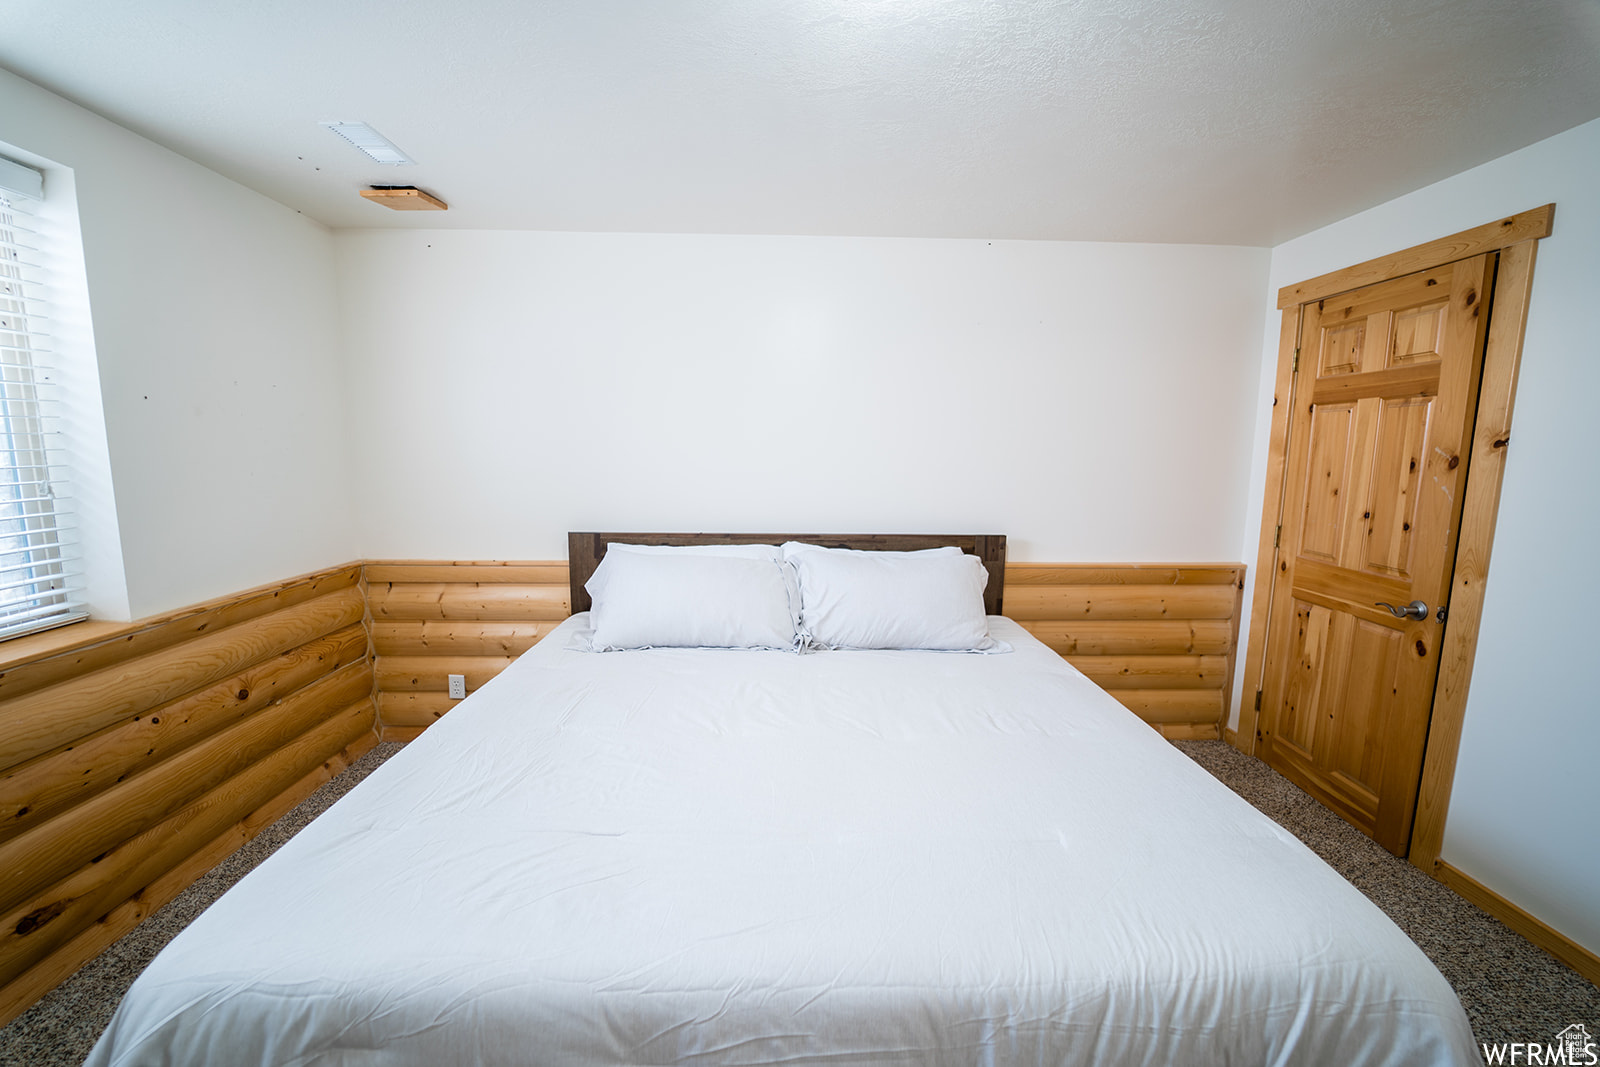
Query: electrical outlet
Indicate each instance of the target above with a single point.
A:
(458, 686)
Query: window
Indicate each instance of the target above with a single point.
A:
(39, 567)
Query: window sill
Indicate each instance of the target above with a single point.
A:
(46, 643)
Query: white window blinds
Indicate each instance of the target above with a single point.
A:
(39, 564)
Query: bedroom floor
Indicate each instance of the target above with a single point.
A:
(1512, 990)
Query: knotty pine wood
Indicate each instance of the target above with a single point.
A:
(50, 849)
(38, 660)
(1197, 706)
(1198, 637)
(432, 618)
(1530, 225)
(1186, 731)
(1372, 495)
(443, 638)
(1082, 574)
(1245, 737)
(1159, 637)
(1491, 440)
(414, 709)
(405, 199)
(130, 754)
(429, 673)
(1056, 603)
(1517, 240)
(32, 930)
(17, 995)
(40, 788)
(77, 707)
(481, 572)
(467, 600)
(1153, 672)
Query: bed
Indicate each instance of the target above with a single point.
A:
(710, 856)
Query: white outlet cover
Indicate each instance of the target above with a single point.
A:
(458, 686)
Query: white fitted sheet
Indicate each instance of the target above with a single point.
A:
(748, 857)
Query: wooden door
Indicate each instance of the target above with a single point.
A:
(1385, 392)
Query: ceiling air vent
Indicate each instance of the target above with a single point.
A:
(404, 198)
(370, 141)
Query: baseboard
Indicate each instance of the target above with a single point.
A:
(1231, 736)
(1552, 941)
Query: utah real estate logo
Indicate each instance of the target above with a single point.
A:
(1572, 1046)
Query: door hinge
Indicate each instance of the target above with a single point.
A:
(1258, 700)
(1277, 535)
(1295, 369)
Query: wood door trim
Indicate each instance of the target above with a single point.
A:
(1491, 438)
(1516, 238)
(1530, 225)
(1267, 545)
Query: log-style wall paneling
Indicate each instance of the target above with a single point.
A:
(135, 759)
(100, 934)
(38, 789)
(432, 619)
(1159, 638)
(445, 639)
(471, 602)
(50, 718)
(411, 711)
(115, 644)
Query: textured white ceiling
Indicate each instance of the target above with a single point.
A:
(1223, 121)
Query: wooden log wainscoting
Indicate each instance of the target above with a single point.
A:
(1159, 638)
(134, 757)
(434, 619)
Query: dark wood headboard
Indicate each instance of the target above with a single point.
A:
(585, 550)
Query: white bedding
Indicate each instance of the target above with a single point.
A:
(722, 857)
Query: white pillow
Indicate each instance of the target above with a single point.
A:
(597, 580)
(930, 599)
(741, 551)
(690, 600)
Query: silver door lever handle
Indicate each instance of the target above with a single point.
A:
(1414, 610)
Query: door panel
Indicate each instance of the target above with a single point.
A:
(1390, 510)
(1372, 501)
(1341, 348)
(1302, 688)
(1328, 475)
(1416, 334)
(1357, 751)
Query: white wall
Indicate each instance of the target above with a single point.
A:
(1523, 816)
(214, 324)
(1092, 401)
